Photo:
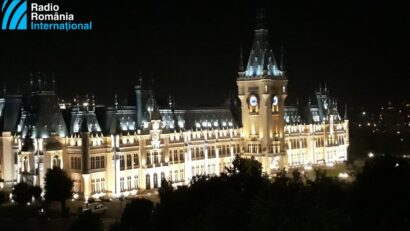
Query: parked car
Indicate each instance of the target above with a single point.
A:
(93, 200)
(95, 208)
(105, 198)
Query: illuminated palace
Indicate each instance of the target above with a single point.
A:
(120, 150)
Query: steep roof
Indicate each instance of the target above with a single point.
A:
(44, 115)
(262, 61)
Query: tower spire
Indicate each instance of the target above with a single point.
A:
(260, 18)
(140, 79)
(282, 66)
(346, 117)
(4, 90)
(241, 67)
(53, 81)
(116, 101)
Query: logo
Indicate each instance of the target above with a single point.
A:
(34, 16)
(14, 15)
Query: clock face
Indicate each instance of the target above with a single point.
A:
(253, 101)
(155, 136)
(275, 100)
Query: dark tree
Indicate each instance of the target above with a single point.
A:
(381, 195)
(36, 192)
(2, 197)
(87, 221)
(137, 214)
(118, 226)
(58, 186)
(22, 193)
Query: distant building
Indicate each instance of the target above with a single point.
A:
(122, 149)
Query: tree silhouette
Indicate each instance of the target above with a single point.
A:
(58, 186)
(2, 197)
(87, 221)
(137, 214)
(36, 192)
(22, 193)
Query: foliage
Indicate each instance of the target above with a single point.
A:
(36, 192)
(244, 200)
(58, 186)
(2, 197)
(22, 193)
(87, 221)
(138, 214)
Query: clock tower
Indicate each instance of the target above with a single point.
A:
(262, 90)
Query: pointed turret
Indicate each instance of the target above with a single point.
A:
(241, 66)
(345, 116)
(262, 63)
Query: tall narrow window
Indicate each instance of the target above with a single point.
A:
(56, 161)
(129, 161)
(147, 181)
(122, 162)
(155, 180)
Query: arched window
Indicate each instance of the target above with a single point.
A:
(97, 186)
(102, 185)
(176, 176)
(129, 183)
(182, 175)
(136, 183)
(25, 164)
(93, 186)
(155, 180)
(56, 162)
(147, 181)
(122, 186)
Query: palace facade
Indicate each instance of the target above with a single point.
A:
(120, 150)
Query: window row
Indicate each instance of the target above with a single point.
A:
(131, 161)
(75, 163)
(97, 162)
(97, 185)
(177, 176)
(132, 183)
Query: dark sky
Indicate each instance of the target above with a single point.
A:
(191, 49)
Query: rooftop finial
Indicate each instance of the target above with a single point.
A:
(78, 100)
(170, 101)
(31, 80)
(39, 81)
(345, 117)
(4, 90)
(260, 18)
(241, 67)
(282, 65)
(53, 81)
(93, 101)
(140, 79)
(116, 101)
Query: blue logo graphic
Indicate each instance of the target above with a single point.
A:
(14, 15)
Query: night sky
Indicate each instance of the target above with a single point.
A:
(191, 49)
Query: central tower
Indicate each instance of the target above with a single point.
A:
(262, 89)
